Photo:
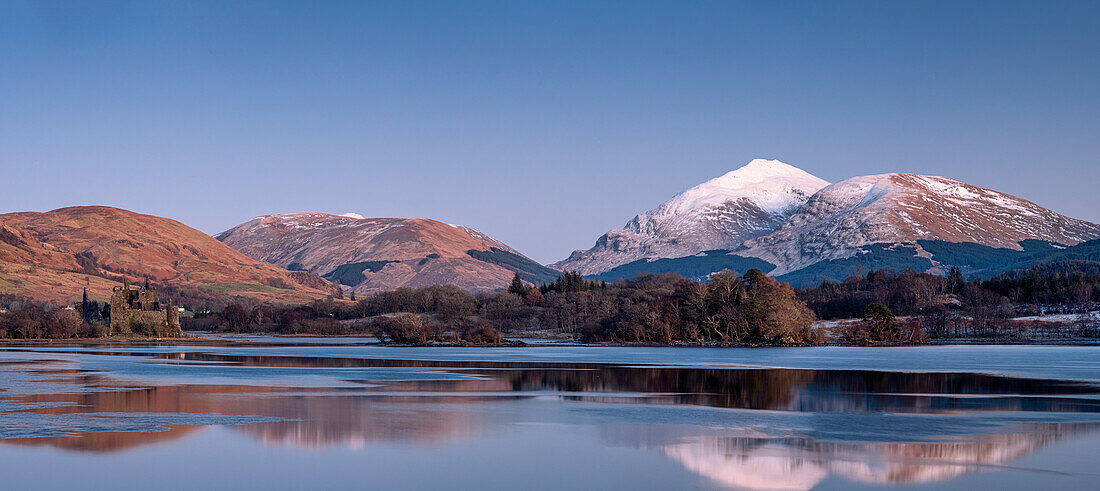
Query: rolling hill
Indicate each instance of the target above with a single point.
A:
(373, 254)
(52, 256)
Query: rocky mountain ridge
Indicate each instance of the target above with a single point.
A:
(372, 254)
(721, 213)
(893, 208)
(773, 212)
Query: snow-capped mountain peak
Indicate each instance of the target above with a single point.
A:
(721, 213)
(773, 186)
(894, 208)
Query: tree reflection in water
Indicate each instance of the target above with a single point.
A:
(792, 454)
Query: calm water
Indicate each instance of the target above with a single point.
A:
(264, 414)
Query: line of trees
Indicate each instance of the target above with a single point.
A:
(33, 321)
(1067, 285)
(729, 309)
(905, 293)
(953, 307)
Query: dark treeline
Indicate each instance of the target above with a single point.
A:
(1066, 285)
(905, 307)
(953, 307)
(568, 281)
(21, 320)
(730, 308)
(905, 293)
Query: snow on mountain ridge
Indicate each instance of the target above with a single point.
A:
(388, 252)
(779, 213)
(897, 207)
(768, 183)
(316, 220)
(720, 213)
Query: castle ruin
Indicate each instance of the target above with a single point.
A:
(136, 310)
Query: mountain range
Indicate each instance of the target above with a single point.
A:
(779, 219)
(766, 215)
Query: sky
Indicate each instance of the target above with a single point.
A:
(543, 124)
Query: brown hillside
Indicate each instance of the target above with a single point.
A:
(372, 254)
(51, 256)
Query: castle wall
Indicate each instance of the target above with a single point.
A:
(120, 322)
(147, 299)
(154, 318)
(131, 308)
(173, 317)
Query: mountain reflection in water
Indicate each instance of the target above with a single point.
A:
(747, 462)
(741, 428)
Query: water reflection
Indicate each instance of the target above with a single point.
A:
(776, 389)
(801, 463)
(740, 428)
(304, 418)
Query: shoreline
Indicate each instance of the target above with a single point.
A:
(512, 343)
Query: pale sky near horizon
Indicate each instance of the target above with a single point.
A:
(541, 124)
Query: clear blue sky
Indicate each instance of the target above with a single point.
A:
(542, 124)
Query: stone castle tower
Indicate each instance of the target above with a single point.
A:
(137, 310)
